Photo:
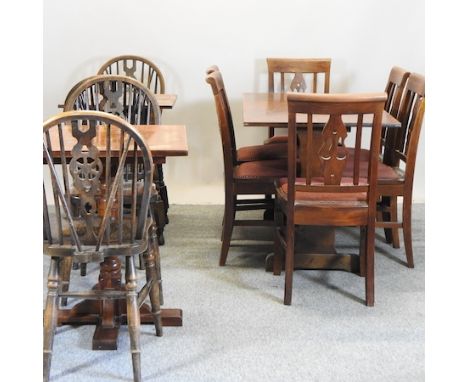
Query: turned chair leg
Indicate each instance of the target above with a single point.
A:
(133, 316)
(407, 234)
(50, 316)
(289, 263)
(157, 266)
(229, 216)
(155, 294)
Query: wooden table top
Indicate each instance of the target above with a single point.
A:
(165, 101)
(271, 109)
(163, 140)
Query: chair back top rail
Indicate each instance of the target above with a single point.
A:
(299, 67)
(138, 68)
(118, 95)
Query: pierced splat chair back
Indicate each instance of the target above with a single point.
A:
(319, 162)
(85, 153)
(297, 67)
(226, 126)
(138, 68)
(394, 89)
(411, 116)
(118, 95)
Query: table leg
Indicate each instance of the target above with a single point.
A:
(162, 188)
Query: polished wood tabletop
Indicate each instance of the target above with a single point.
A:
(162, 140)
(165, 101)
(271, 109)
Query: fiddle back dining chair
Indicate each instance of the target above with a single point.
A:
(322, 196)
(99, 147)
(241, 178)
(285, 67)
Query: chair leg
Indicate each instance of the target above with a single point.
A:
(407, 234)
(151, 257)
(83, 267)
(385, 216)
(370, 246)
(229, 215)
(289, 262)
(65, 271)
(269, 214)
(133, 316)
(157, 205)
(162, 189)
(278, 248)
(362, 251)
(271, 131)
(394, 218)
(50, 316)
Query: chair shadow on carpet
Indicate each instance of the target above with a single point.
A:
(323, 280)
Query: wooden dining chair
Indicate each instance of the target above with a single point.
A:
(291, 73)
(127, 98)
(241, 178)
(148, 73)
(396, 175)
(255, 152)
(132, 101)
(138, 68)
(315, 192)
(387, 205)
(105, 227)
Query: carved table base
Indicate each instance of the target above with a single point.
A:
(109, 314)
(315, 249)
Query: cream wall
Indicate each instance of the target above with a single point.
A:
(364, 39)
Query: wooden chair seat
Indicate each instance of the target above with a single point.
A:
(262, 152)
(320, 208)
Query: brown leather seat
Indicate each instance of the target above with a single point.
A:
(257, 152)
(262, 152)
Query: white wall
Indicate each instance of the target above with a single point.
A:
(364, 39)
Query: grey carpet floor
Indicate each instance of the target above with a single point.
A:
(236, 327)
